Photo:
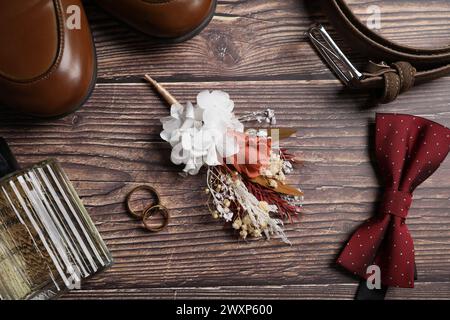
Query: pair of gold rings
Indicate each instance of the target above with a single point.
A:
(150, 210)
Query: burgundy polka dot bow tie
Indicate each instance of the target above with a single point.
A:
(408, 150)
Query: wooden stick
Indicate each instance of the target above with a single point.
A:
(162, 91)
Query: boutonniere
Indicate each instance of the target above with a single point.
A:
(246, 168)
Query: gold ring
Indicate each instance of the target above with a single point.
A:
(152, 191)
(150, 211)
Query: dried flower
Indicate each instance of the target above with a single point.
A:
(267, 116)
(264, 206)
(246, 220)
(256, 233)
(237, 224)
(273, 183)
(256, 220)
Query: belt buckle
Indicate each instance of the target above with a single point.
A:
(335, 58)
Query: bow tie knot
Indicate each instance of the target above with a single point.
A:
(396, 203)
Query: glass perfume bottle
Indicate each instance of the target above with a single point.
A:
(48, 243)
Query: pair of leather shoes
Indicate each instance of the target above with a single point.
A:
(47, 56)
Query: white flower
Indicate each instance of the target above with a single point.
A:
(218, 111)
(202, 134)
(219, 118)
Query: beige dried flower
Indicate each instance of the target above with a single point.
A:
(280, 176)
(256, 233)
(237, 224)
(246, 220)
(273, 183)
(263, 205)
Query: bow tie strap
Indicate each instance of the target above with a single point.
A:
(396, 203)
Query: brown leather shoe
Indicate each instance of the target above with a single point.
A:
(47, 68)
(174, 20)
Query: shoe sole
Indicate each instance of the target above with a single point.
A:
(194, 32)
(163, 40)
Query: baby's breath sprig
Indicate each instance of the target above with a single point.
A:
(232, 201)
(267, 116)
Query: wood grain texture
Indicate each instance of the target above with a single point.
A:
(289, 292)
(256, 39)
(254, 50)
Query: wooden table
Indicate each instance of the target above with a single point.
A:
(256, 51)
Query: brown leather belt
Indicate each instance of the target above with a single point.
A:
(396, 68)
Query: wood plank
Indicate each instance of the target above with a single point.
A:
(255, 50)
(441, 290)
(254, 39)
(112, 144)
(409, 22)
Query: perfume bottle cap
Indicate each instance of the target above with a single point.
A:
(8, 163)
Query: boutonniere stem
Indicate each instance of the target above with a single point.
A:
(170, 99)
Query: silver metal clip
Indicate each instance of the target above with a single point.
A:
(330, 51)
